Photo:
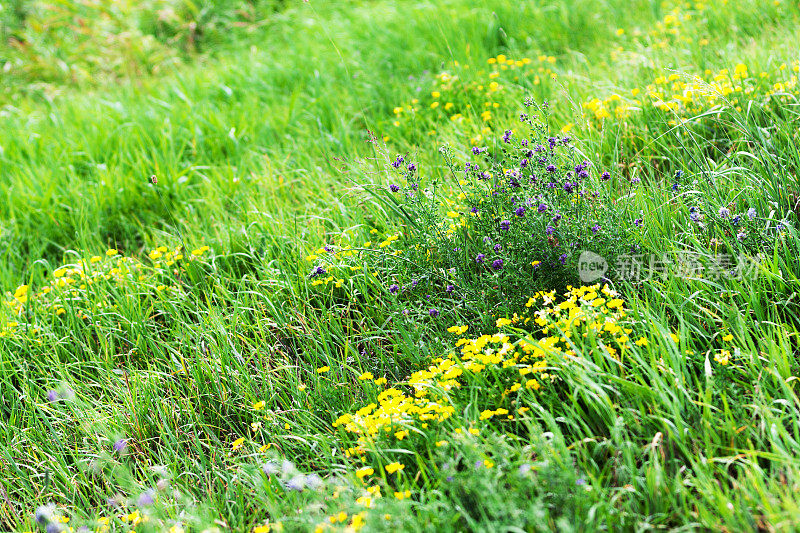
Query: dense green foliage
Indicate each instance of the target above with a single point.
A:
(248, 284)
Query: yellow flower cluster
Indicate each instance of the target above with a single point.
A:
(589, 317)
(333, 260)
(453, 96)
(684, 96)
(69, 286)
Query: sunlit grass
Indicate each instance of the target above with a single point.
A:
(174, 174)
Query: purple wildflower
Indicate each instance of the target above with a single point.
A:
(563, 259)
(751, 213)
(412, 167)
(480, 258)
(551, 168)
(505, 225)
(497, 247)
(595, 228)
(146, 499)
(393, 288)
(507, 136)
(605, 176)
(542, 208)
(397, 162)
(394, 188)
(724, 212)
(497, 264)
(637, 222)
(313, 481)
(120, 445)
(296, 483)
(550, 229)
(433, 312)
(520, 211)
(450, 289)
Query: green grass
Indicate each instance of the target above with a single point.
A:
(254, 118)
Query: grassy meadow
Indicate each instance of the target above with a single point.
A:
(272, 265)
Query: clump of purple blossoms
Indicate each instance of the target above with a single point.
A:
(751, 213)
(542, 208)
(724, 212)
(393, 288)
(412, 167)
(520, 211)
(505, 225)
(507, 136)
(497, 264)
(319, 271)
(497, 247)
(478, 151)
(595, 228)
(394, 188)
(433, 312)
(480, 258)
(605, 176)
(397, 162)
(146, 498)
(550, 229)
